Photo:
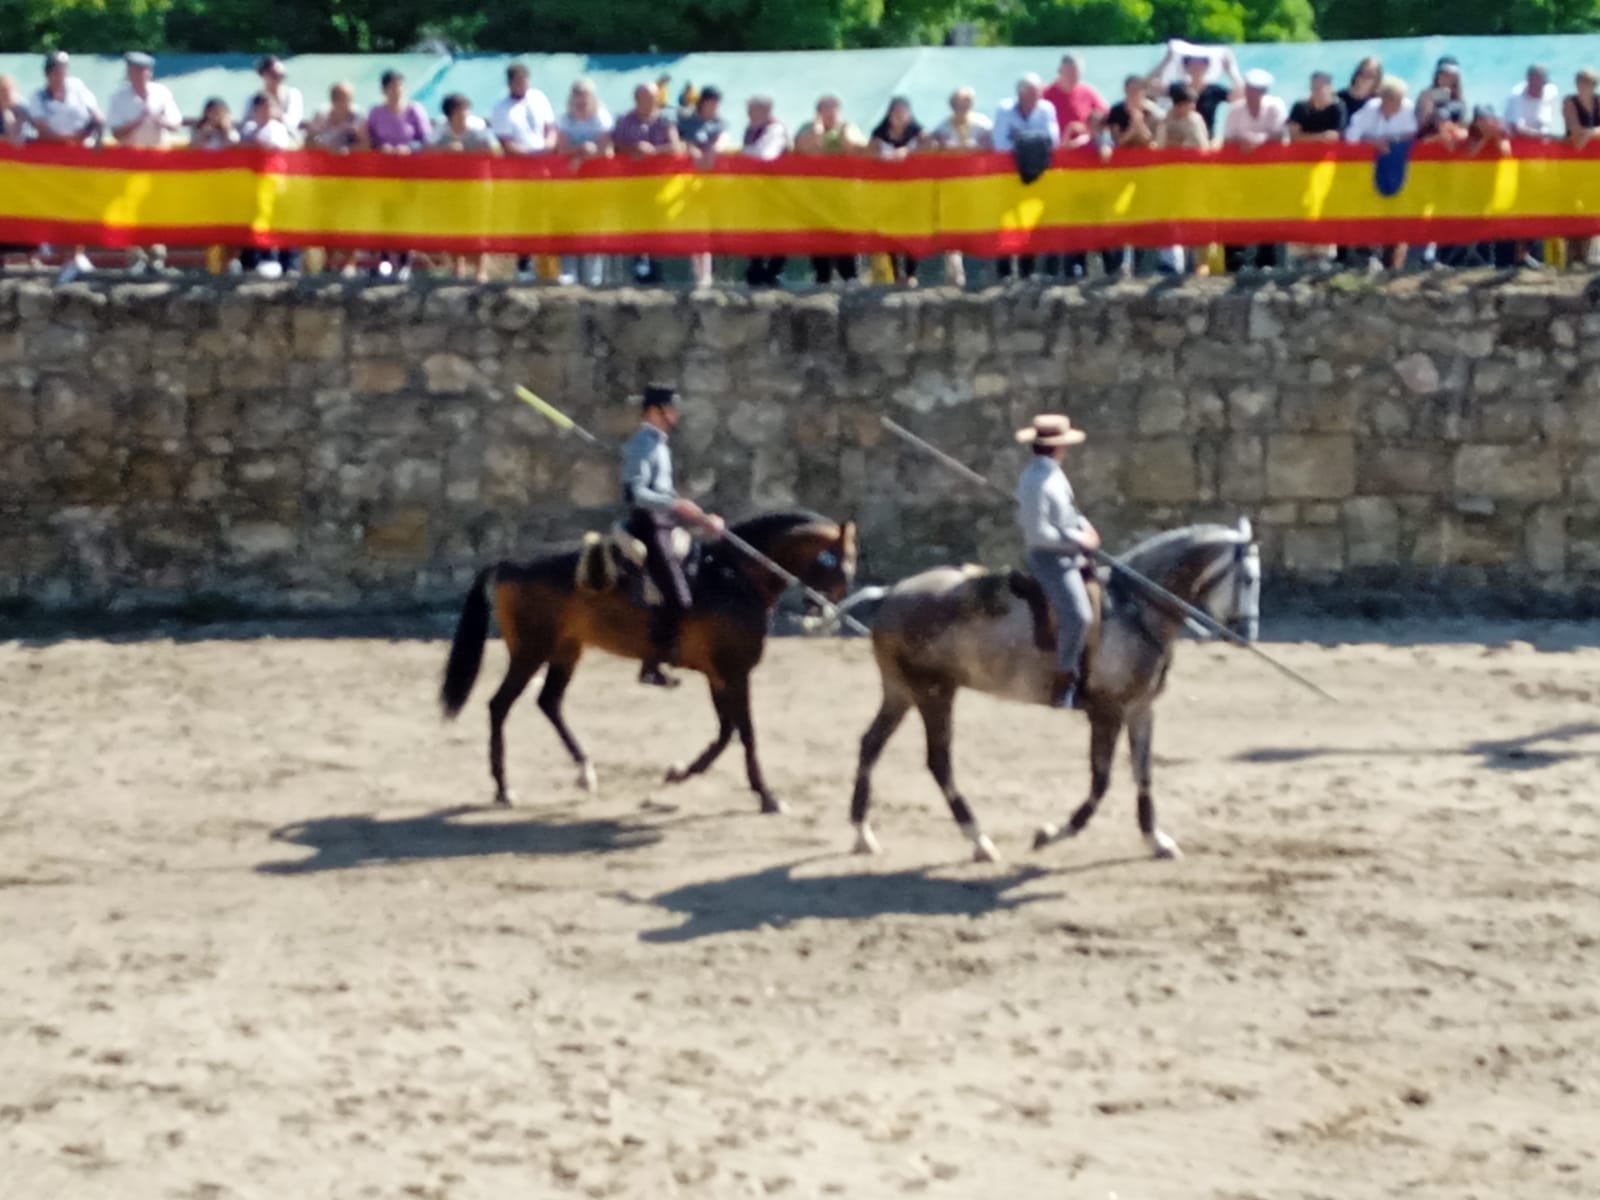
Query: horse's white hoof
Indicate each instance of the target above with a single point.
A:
(866, 841)
(983, 850)
(505, 798)
(587, 779)
(1045, 834)
(1163, 847)
(677, 773)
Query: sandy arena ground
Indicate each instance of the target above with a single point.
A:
(258, 942)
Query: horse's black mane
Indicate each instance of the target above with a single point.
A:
(759, 531)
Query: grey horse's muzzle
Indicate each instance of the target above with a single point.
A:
(1249, 628)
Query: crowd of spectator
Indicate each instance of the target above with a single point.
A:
(1174, 106)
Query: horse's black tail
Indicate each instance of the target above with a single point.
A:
(466, 651)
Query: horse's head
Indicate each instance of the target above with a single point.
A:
(1231, 589)
(1214, 567)
(821, 554)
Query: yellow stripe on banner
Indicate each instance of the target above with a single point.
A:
(696, 201)
(128, 198)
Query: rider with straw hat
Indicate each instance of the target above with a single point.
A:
(1057, 535)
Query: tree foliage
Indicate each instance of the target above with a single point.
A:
(648, 26)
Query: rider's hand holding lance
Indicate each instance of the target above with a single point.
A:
(654, 510)
(1057, 535)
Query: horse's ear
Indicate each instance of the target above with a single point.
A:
(1247, 532)
(847, 537)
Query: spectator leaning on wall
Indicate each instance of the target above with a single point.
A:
(765, 139)
(143, 113)
(525, 123)
(13, 132)
(462, 133)
(583, 133)
(397, 126)
(644, 131)
(1078, 106)
(65, 112)
(1024, 116)
(705, 136)
(275, 83)
(962, 132)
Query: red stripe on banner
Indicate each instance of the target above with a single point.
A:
(1045, 239)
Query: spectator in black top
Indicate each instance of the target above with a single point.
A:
(1363, 86)
(1133, 120)
(1582, 110)
(1441, 111)
(1320, 117)
(1582, 113)
(896, 136)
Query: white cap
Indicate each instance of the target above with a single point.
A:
(1257, 78)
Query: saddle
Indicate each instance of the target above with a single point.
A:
(991, 593)
(616, 559)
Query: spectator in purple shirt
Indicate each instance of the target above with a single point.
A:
(396, 127)
(644, 131)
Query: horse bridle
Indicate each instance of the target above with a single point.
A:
(1235, 569)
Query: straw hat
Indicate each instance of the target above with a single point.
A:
(1050, 429)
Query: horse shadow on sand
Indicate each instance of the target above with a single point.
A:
(1531, 752)
(363, 840)
(777, 897)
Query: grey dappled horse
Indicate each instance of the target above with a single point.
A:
(952, 628)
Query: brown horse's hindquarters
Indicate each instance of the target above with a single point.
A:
(539, 620)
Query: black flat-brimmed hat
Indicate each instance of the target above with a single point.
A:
(658, 395)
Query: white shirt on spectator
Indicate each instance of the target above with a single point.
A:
(976, 134)
(157, 113)
(68, 116)
(1009, 121)
(770, 143)
(273, 134)
(1264, 126)
(524, 121)
(1372, 124)
(291, 108)
(1534, 115)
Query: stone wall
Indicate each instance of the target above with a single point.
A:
(328, 446)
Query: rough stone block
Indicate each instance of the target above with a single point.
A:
(377, 376)
(1401, 469)
(318, 333)
(1545, 540)
(17, 419)
(1508, 472)
(256, 540)
(1313, 552)
(1161, 471)
(1162, 410)
(1242, 469)
(1310, 467)
(400, 535)
(67, 408)
(1252, 407)
(448, 374)
(1371, 531)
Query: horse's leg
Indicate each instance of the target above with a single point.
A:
(710, 754)
(1141, 735)
(522, 668)
(896, 703)
(1103, 731)
(556, 678)
(937, 705)
(739, 708)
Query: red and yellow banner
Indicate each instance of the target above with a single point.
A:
(797, 205)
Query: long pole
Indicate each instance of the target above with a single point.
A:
(1153, 589)
(561, 421)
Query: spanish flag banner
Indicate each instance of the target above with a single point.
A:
(1316, 193)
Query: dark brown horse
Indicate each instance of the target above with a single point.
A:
(547, 620)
